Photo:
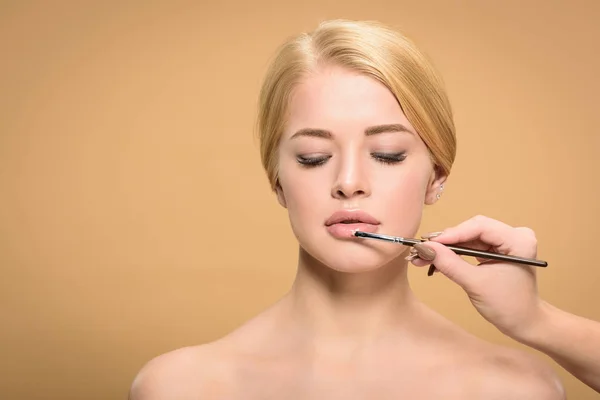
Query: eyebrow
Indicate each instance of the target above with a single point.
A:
(370, 131)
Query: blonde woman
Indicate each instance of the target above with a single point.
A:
(356, 133)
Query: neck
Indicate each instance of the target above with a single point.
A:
(331, 306)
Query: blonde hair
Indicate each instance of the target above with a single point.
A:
(366, 47)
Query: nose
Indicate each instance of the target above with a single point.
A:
(351, 180)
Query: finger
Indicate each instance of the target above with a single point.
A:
(475, 245)
(492, 233)
(472, 244)
(417, 262)
(449, 263)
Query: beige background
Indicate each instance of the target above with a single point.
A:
(134, 214)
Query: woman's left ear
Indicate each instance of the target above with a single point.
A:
(280, 195)
(435, 186)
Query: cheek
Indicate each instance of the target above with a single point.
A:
(404, 198)
(302, 193)
(407, 188)
(302, 209)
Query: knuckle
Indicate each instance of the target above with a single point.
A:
(480, 220)
(528, 236)
(526, 232)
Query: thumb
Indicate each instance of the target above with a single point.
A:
(450, 264)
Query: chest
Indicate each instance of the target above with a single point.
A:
(353, 382)
(352, 390)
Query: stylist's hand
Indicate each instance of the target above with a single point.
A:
(504, 293)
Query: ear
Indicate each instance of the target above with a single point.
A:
(435, 185)
(280, 195)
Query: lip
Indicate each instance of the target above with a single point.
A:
(345, 215)
(364, 222)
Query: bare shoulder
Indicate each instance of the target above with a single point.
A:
(492, 371)
(207, 371)
(506, 373)
(196, 372)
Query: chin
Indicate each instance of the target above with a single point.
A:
(350, 259)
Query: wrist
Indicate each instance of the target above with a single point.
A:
(538, 326)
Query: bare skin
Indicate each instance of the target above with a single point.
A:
(393, 347)
(350, 327)
(506, 295)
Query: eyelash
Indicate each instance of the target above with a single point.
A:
(384, 158)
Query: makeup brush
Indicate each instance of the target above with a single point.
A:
(457, 249)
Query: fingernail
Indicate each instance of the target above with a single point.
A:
(413, 250)
(431, 235)
(411, 257)
(431, 270)
(424, 252)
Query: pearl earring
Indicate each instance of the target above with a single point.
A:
(437, 196)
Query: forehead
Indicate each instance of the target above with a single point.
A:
(339, 99)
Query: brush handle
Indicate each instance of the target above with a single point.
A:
(496, 256)
(464, 251)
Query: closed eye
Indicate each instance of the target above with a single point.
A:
(385, 158)
(312, 161)
(389, 158)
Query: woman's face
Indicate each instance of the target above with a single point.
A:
(349, 159)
